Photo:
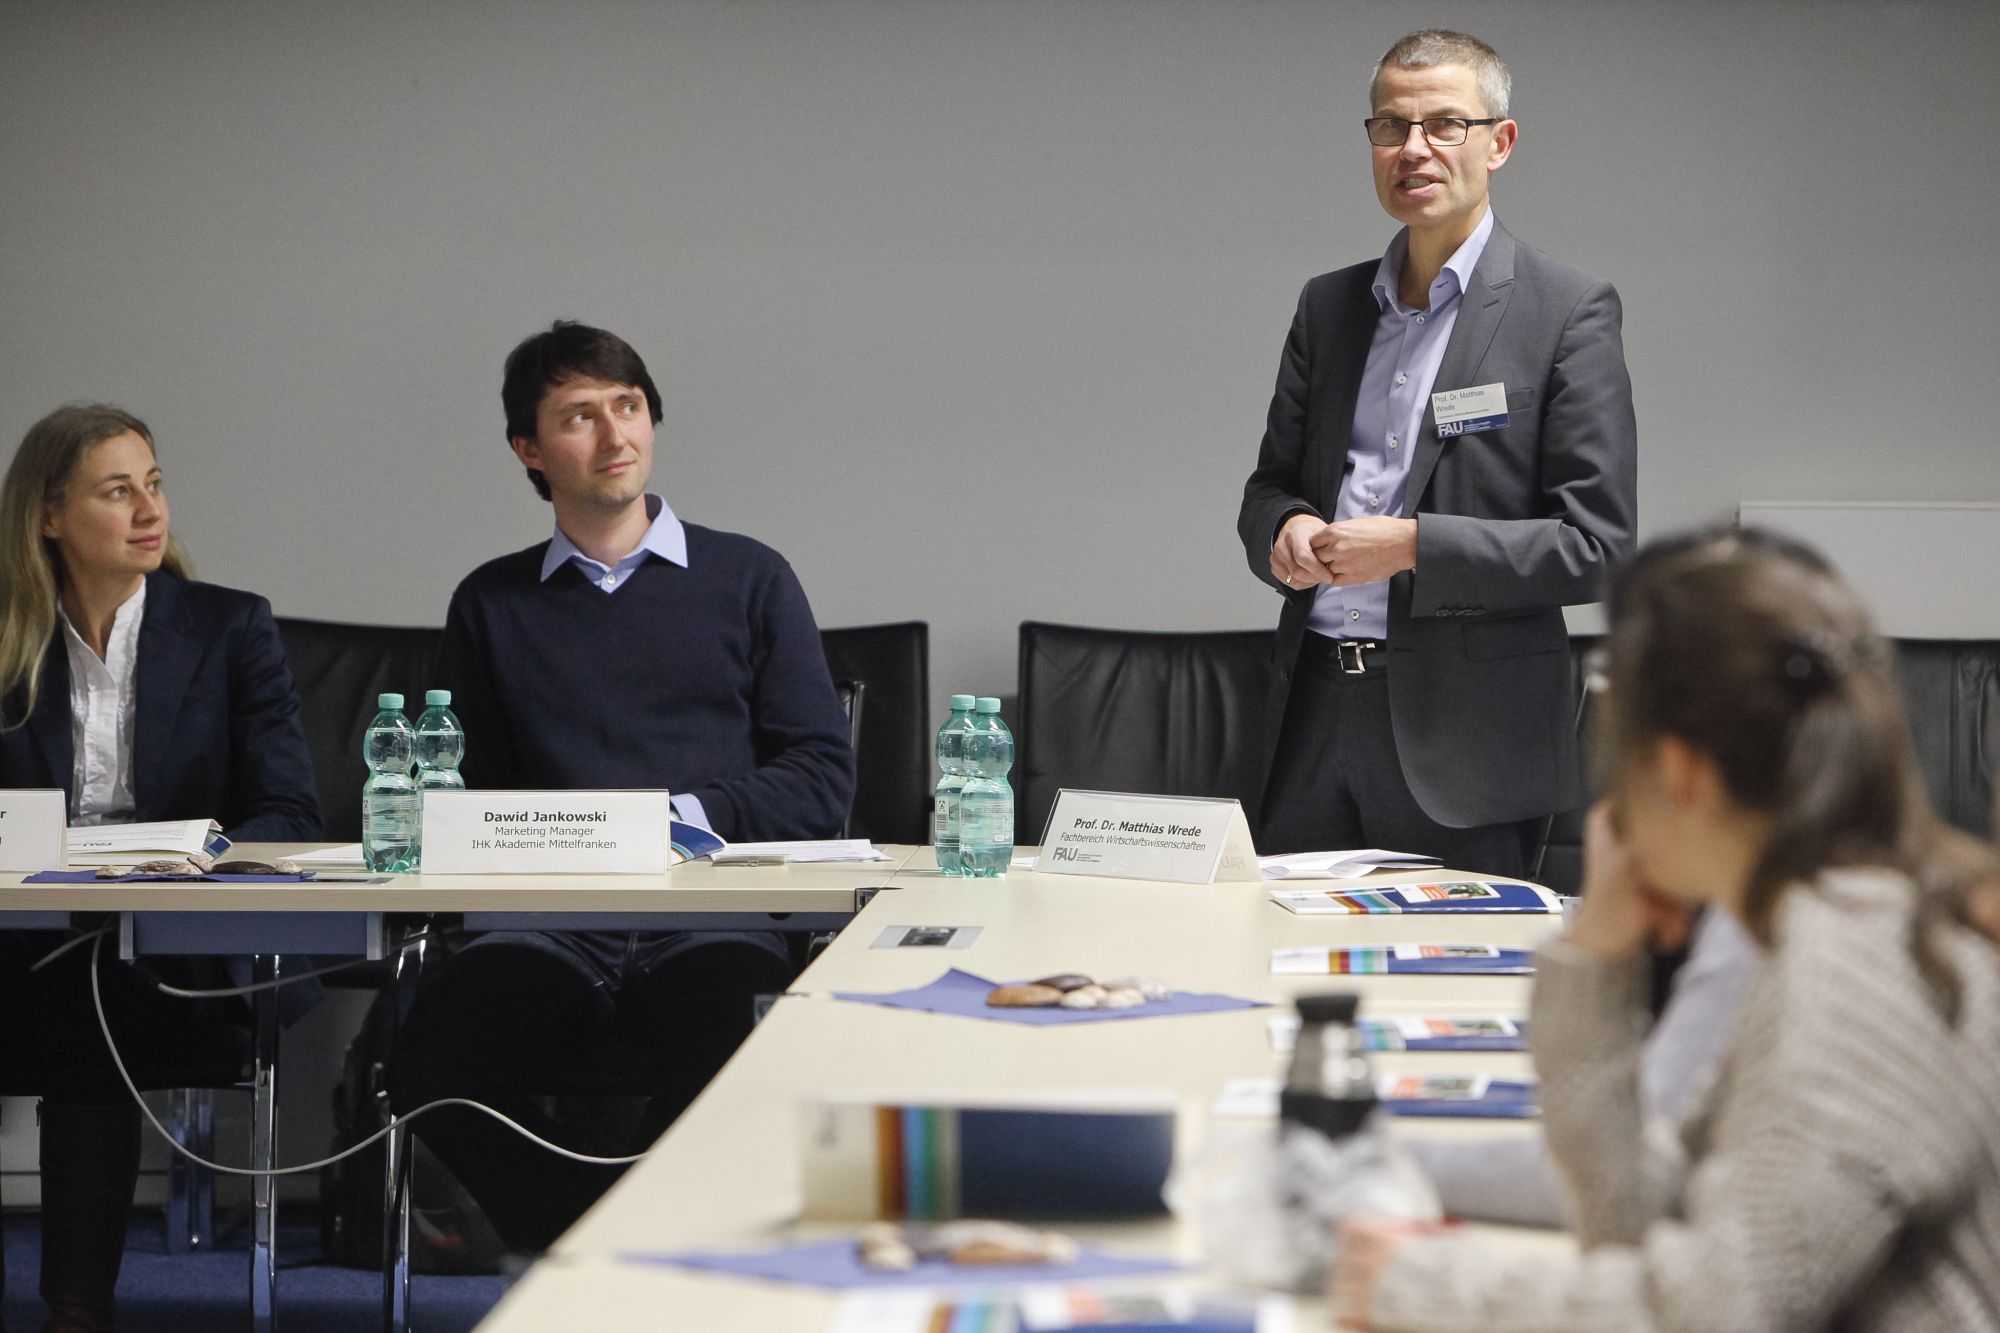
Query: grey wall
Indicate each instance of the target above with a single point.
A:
(971, 309)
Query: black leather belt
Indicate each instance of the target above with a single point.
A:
(1350, 655)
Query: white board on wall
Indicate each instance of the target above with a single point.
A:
(1927, 569)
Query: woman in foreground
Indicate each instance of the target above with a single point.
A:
(1841, 1170)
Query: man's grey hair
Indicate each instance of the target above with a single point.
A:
(1441, 46)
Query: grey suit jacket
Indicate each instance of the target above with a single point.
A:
(1512, 524)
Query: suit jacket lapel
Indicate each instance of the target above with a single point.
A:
(1346, 360)
(1480, 311)
(168, 655)
(50, 722)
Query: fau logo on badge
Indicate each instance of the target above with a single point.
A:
(1449, 428)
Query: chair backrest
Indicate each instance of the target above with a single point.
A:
(339, 670)
(892, 747)
(1180, 714)
(1951, 692)
(1951, 696)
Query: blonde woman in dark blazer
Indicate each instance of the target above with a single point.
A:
(143, 695)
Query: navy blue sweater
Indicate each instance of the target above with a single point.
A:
(708, 680)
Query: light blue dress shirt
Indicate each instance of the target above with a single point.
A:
(665, 538)
(1396, 385)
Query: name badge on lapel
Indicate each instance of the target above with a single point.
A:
(1469, 411)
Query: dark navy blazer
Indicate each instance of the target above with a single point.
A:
(217, 732)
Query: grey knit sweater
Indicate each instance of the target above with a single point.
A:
(1843, 1171)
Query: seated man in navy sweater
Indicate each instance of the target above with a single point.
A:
(628, 650)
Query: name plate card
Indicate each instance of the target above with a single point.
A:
(547, 833)
(1125, 835)
(32, 831)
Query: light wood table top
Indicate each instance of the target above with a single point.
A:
(695, 887)
(726, 1174)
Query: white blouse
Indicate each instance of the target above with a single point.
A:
(103, 710)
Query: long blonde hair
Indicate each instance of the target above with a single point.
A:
(31, 571)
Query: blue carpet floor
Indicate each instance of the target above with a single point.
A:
(209, 1292)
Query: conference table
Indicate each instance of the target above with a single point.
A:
(725, 1176)
(351, 914)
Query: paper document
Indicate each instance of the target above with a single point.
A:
(835, 849)
(346, 856)
(109, 843)
(1342, 865)
(1247, 1098)
(1441, 897)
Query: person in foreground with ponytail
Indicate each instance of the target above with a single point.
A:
(143, 695)
(1843, 1171)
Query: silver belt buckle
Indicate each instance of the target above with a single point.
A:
(1350, 650)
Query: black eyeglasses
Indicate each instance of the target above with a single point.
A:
(1440, 131)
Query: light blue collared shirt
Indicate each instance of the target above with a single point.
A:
(1395, 388)
(665, 538)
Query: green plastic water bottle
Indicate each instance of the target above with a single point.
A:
(951, 779)
(391, 817)
(986, 802)
(440, 743)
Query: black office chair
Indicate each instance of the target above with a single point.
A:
(1558, 859)
(190, 1066)
(1951, 693)
(1181, 714)
(339, 670)
(893, 752)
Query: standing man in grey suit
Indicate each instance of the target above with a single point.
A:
(1450, 459)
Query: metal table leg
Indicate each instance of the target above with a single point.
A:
(263, 1146)
(396, 1167)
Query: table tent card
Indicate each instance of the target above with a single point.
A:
(1127, 835)
(31, 830)
(547, 833)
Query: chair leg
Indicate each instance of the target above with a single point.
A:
(190, 1219)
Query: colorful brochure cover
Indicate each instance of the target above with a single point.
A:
(1060, 1157)
(1422, 1032)
(1458, 895)
(1418, 959)
(1427, 1032)
(691, 842)
(1463, 1096)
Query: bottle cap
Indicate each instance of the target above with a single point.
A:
(1329, 1007)
(988, 704)
(438, 698)
(961, 703)
(385, 702)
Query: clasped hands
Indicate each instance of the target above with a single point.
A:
(1309, 551)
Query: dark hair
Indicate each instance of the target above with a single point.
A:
(1748, 646)
(565, 351)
